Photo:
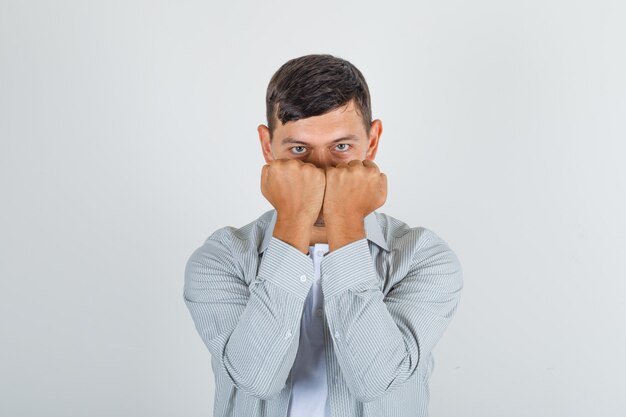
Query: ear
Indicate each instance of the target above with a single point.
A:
(376, 129)
(266, 146)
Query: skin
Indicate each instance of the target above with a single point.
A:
(322, 190)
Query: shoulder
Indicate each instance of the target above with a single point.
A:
(398, 232)
(418, 243)
(229, 242)
(251, 233)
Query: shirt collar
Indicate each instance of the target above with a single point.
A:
(373, 232)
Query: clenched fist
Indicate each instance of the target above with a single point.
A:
(353, 190)
(345, 194)
(294, 188)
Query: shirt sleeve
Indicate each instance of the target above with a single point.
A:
(379, 340)
(251, 331)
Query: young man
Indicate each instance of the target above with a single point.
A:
(322, 306)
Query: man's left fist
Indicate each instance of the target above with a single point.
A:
(353, 189)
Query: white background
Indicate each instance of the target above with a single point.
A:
(128, 135)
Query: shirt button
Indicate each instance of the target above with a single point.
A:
(303, 278)
(320, 253)
(288, 334)
(337, 335)
(319, 312)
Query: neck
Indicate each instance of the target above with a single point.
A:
(318, 235)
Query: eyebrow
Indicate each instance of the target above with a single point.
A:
(341, 139)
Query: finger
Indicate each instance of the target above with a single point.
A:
(369, 163)
(355, 162)
(383, 185)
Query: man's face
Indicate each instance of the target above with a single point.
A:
(338, 136)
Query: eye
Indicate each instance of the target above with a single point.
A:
(344, 144)
(296, 147)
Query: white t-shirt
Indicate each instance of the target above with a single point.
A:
(310, 389)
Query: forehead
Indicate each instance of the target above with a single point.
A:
(342, 121)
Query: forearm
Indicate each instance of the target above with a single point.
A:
(370, 348)
(252, 331)
(380, 339)
(262, 348)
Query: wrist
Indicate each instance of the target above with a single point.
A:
(293, 230)
(341, 231)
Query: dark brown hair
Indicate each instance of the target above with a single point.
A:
(315, 84)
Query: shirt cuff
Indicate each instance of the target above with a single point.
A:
(347, 267)
(287, 267)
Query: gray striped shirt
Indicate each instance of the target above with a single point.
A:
(387, 300)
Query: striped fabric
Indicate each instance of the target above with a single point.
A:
(387, 300)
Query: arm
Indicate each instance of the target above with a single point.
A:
(252, 331)
(379, 340)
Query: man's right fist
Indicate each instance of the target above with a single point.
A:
(294, 188)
